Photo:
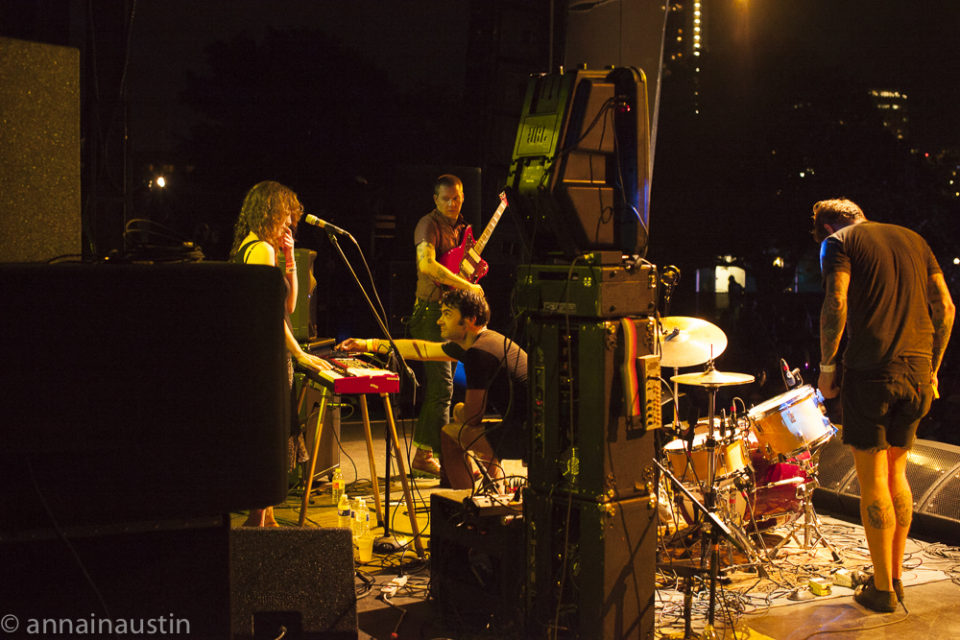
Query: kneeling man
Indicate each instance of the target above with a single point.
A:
(496, 372)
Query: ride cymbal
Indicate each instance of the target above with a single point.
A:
(687, 342)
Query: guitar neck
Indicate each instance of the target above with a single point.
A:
(488, 231)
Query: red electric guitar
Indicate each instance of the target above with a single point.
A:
(465, 259)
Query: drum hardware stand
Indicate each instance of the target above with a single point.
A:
(810, 521)
(712, 380)
(716, 528)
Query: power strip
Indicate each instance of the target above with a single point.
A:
(390, 588)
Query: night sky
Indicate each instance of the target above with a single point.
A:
(910, 46)
(905, 45)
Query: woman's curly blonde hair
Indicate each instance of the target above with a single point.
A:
(266, 209)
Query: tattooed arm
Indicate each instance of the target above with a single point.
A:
(942, 312)
(833, 318)
(427, 264)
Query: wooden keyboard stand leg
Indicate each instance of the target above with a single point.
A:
(318, 431)
(407, 496)
(373, 465)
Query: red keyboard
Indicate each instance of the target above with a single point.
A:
(353, 375)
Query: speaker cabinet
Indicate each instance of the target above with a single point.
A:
(582, 440)
(476, 565)
(590, 567)
(580, 170)
(294, 581)
(166, 582)
(140, 392)
(303, 320)
(39, 151)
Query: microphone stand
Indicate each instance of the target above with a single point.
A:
(386, 541)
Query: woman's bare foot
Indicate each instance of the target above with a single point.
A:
(261, 518)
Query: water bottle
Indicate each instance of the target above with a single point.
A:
(344, 515)
(337, 490)
(360, 518)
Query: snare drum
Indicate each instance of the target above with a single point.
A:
(790, 423)
(731, 455)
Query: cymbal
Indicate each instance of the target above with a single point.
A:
(687, 342)
(712, 378)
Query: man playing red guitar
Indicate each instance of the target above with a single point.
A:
(437, 233)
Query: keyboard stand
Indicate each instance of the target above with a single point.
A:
(327, 394)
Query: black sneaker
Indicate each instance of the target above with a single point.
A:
(897, 585)
(874, 599)
(898, 588)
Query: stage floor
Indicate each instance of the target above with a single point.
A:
(748, 606)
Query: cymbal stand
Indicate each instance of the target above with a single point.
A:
(717, 528)
(710, 500)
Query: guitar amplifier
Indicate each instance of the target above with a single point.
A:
(587, 290)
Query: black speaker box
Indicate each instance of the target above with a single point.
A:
(591, 567)
(111, 583)
(294, 581)
(476, 565)
(140, 392)
(39, 150)
(933, 471)
(580, 172)
(582, 440)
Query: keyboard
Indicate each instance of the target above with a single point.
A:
(351, 375)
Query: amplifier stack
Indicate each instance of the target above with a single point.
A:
(590, 506)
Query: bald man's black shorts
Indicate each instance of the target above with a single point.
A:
(883, 407)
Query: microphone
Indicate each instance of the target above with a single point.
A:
(788, 378)
(323, 224)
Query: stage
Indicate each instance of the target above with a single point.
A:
(756, 607)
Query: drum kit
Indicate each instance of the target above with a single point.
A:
(754, 470)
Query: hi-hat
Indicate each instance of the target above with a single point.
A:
(687, 342)
(712, 378)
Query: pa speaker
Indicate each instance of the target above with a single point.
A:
(160, 387)
(580, 172)
(297, 582)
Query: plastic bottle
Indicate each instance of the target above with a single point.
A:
(344, 515)
(361, 517)
(337, 490)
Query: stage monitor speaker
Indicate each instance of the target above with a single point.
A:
(140, 392)
(292, 583)
(590, 567)
(580, 173)
(39, 151)
(933, 471)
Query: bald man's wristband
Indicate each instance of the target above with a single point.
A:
(828, 368)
